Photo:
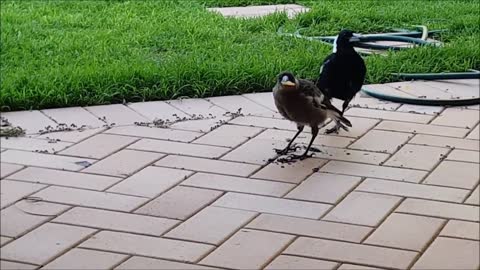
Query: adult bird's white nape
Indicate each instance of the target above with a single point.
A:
(343, 72)
(300, 101)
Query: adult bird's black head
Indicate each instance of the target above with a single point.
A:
(286, 79)
(343, 42)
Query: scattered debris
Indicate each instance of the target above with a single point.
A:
(83, 163)
(61, 128)
(166, 123)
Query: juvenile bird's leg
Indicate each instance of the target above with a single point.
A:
(339, 125)
(314, 135)
(286, 149)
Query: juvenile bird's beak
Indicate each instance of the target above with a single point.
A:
(286, 82)
(355, 38)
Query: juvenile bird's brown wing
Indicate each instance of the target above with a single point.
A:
(310, 90)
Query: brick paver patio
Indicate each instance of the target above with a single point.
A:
(399, 191)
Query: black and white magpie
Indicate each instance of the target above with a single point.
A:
(300, 101)
(343, 72)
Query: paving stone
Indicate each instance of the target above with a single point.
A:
(6, 265)
(272, 205)
(445, 142)
(351, 155)
(147, 246)
(45, 160)
(350, 252)
(54, 239)
(360, 126)
(15, 221)
(30, 121)
(413, 190)
(116, 114)
(99, 146)
(265, 99)
(207, 165)
(7, 169)
(41, 208)
(150, 182)
(381, 141)
(228, 136)
(405, 232)
(4, 240)
(363, 209)
(235, 102)
(156, 110)
(347, 266)
(73, 136)
(136, 262)
(421, 89)
(474, 134)
(256, 151)
(324, 187)
(179, 148)
(90, 198)
(457, 88)
(116, 221)
(390, 89)
(264, 122)
(455, 174)
(64, 178)
(197, 106)
(422, 129)
(258, 11)
(464, 155)
(293, 262)
(440, 209)
(212, 225)
(238, 184)
(292, 173)
(12, 191)
(410, 108)
(172, 204)
(457, 117)
(462, 229)
(365, 101)
(155, 133)
(389, 115)
(321, 139)
(367, 170)
(448, 253)
(31, 144)
(248, 249)
(474, 198)
(309, 227)
(74, 115)
(86, 259)
(124, 163)
(417, 157)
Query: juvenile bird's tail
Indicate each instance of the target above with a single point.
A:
(336, 115)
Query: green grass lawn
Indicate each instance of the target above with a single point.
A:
(71, 53)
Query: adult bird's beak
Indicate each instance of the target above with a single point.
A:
(355, 38)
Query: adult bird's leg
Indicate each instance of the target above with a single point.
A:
(339, 125)
(286, 149)
(314, 135)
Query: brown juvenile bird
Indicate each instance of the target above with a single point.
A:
(300, 101)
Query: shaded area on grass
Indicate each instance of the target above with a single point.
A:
(76, 53)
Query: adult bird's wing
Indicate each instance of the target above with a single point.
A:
(325, 73)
